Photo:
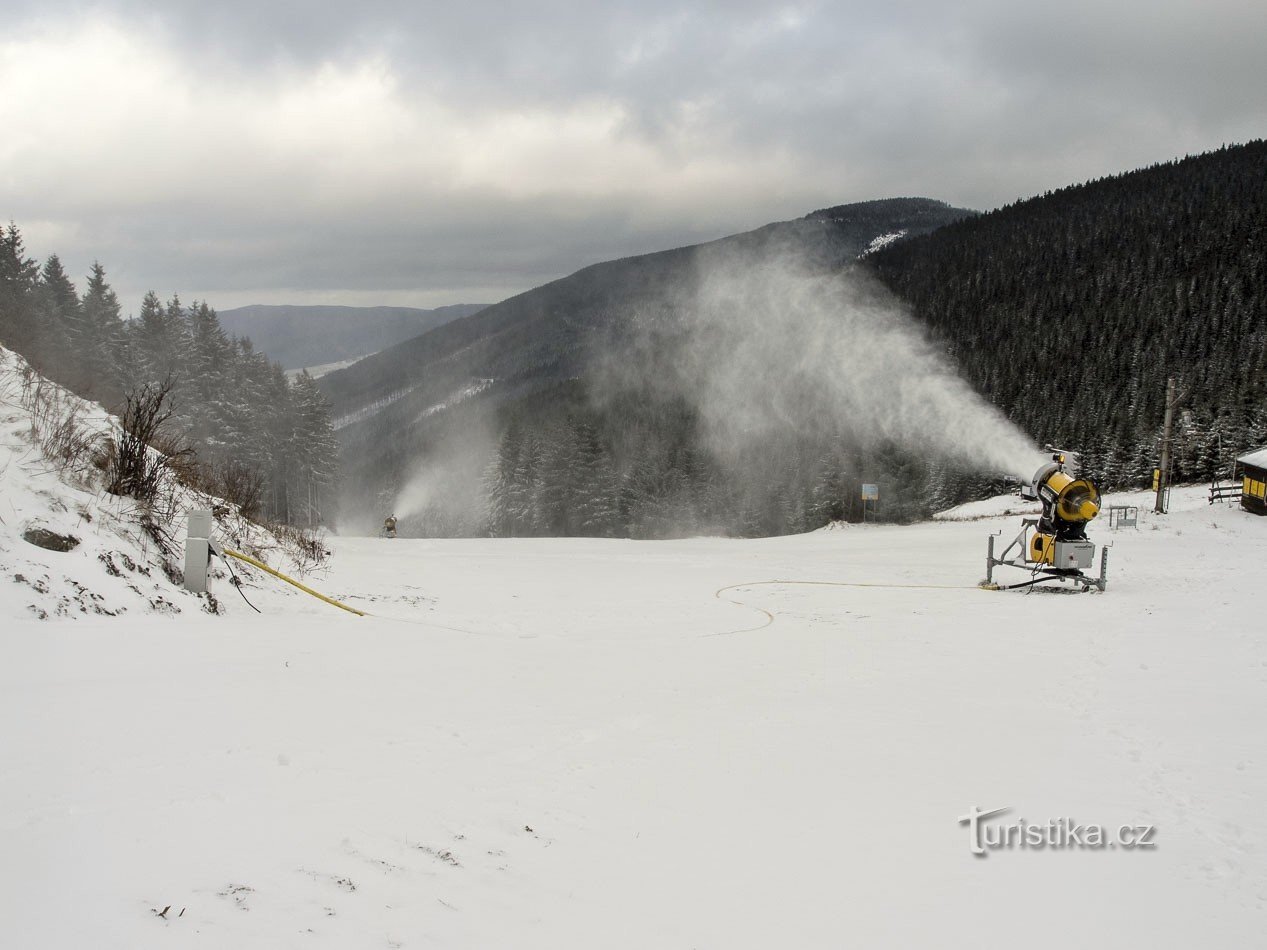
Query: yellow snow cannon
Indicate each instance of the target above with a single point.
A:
(1054, 546)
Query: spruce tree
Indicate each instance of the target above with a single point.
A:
(103, 338)
(19, 276)
(60, 333)
(316, 451)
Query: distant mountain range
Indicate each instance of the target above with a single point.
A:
(298, 336)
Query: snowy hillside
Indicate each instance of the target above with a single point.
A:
(700, 743)
(123, 557)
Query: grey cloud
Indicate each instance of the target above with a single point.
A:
(977, 103)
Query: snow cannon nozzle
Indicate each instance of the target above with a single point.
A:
(1061, 456)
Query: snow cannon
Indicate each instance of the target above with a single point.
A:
(1054, 546)
(1068, 504)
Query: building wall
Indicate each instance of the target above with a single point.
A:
(1254, 489)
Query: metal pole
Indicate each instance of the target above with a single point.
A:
(1163, 470)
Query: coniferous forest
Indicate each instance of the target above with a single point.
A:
(239, 426)
(1072, 310)
(577, 472)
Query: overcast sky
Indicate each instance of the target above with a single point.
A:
(246, 151)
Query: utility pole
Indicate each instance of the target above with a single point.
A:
(1163, 470)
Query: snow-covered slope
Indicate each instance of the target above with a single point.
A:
(126, 557)
(700, 743)
(316, 372)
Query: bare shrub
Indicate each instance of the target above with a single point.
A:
(136, 469)
(241, 485)
(306, 549)
(183, 461)
(231, 481)
(58, 427)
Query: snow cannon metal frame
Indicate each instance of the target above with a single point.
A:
(1053, 547)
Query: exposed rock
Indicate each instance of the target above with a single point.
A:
(43, 538)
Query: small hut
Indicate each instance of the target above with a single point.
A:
(1253, 472)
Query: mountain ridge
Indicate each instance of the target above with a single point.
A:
(596, 284)
(299, 336)
(559, 335)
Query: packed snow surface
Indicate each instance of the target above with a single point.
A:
(587, 743)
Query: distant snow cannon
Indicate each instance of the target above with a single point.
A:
(1054, 547)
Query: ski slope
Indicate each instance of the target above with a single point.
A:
(578, 743)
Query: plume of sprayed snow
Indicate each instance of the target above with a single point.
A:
(772, 346)
(434, 486)
(441, 492)
(762, 345)
(417, 495)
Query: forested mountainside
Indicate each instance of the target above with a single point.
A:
(309, 336)
(239, 428)
(1072, 309)
(891, 217)
(1067, 311)
(539, 333)
(530, 381)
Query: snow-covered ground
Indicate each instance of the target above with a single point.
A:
(882, 241)
(322, 369)
(584, 743)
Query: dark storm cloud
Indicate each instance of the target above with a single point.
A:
(443, 152)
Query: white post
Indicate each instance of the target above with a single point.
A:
(198, 551)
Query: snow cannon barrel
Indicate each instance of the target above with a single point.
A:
(1075, 500)
(1066, 500)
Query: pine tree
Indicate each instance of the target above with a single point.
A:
(19, 276)
(554, 486)
(524, 517)
(279, 424)
(60, 332)
(149, 339)
(500, 519)
(103, 338)
(207, 376)
(316, 451)
(595, 500)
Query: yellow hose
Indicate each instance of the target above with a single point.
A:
(290, 580)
